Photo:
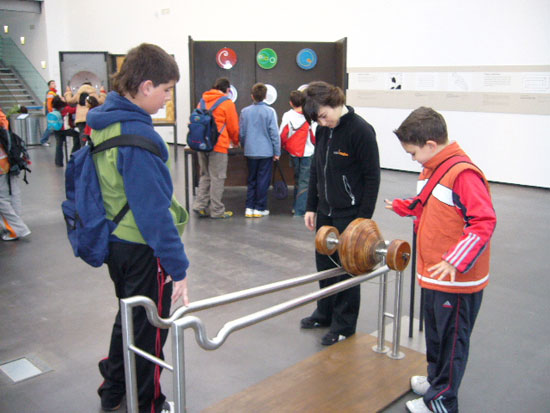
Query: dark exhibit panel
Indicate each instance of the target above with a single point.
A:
(285, 76)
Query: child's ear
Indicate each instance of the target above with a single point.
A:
(146, 87)
(431, 144)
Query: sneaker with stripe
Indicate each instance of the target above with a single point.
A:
(417, 406)
(420, 385)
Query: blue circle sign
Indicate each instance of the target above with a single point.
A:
(306, 59)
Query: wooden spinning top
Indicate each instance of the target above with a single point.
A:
(361, 247)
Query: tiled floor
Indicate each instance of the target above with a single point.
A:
(56, 309)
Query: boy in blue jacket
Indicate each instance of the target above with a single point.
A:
(145, 250)
(260, 139)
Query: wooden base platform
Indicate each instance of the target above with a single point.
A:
(346, 377)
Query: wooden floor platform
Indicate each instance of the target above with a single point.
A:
(346, 377)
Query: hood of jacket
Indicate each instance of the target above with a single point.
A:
(210, 96)
(116, 109)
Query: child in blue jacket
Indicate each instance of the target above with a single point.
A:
(145, 250)
(260, 139)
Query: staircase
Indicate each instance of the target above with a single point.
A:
(20, 82)
(13, 91)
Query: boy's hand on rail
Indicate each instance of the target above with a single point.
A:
(443, 269)
(179, 290)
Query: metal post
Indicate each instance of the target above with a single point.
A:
(129, 356)
(395, 353)
(413, 284)
(382, 290)
(178, 361)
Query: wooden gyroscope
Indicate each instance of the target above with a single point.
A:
(361, 247)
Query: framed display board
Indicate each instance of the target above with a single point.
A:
(79, 67)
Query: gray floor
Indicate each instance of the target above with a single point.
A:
(57, 311)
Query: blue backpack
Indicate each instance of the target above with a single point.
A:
(88, 227)
(203, 133)
(54, 120)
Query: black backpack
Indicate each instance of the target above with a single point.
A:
(203, 132)
(18, 157)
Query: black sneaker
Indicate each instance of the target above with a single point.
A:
(109, 402)
(310, 322)
(331, 338)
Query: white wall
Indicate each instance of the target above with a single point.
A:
(33, 27)
(380, 33)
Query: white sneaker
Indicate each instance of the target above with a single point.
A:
(420, 385)
(259, 214)
(249, 213)
(417, 406)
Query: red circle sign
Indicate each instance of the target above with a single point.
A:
(226, 58)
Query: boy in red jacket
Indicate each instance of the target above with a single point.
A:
(298, 139)
(454, 227)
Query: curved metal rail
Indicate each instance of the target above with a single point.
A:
(180, 321)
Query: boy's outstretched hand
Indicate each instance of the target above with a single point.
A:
(443, 269)
(388, 204)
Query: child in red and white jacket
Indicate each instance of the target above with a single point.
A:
(454, 229)
(298, 139)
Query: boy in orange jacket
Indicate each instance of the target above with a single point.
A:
(454, 226)
(213, 165)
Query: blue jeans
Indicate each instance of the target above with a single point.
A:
(46, 136)
(259, 177)
(301, 182)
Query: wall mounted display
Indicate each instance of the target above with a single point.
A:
(80, 67)
(285, 76)
(226, 58)
(233, 94)
(266, 58)
(271, 95)
(306, 59)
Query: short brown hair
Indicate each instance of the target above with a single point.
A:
(259, 92)
(319, 94)
(222, 84)
(422, 125)
(145, 62)
(297, 98)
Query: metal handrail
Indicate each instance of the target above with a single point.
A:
(157, 321)
(181, 323)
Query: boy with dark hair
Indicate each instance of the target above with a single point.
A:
(454, 226)
(146, 250)
(298, 139)
(261, 142)
(213, 165)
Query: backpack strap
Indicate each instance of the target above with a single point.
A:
(125, 140)
(278, 168)
(437, 175)
(215, 105)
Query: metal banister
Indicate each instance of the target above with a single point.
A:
(262, 315)
(180, 323)
(157, 321)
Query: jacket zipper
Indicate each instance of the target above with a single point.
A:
(348, 189)
(325, 172)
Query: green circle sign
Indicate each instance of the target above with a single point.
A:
(266, 58)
